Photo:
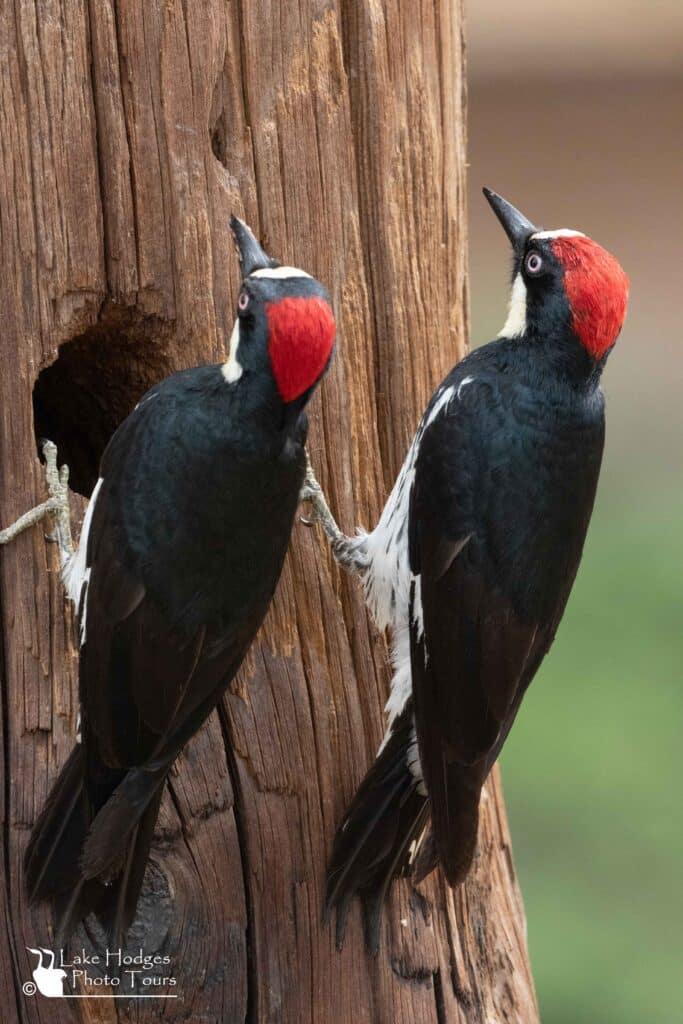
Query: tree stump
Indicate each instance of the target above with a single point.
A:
(130, 132)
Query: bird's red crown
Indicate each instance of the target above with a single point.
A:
(597, 290)
(300, 339)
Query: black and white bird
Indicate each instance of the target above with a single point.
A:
(180, 553)
(473, 559)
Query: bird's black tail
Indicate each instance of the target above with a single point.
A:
(372, 845)
(55, 864)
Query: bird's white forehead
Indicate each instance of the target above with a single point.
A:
(560, 233)
(279, 272)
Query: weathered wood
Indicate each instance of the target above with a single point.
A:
(128, 134)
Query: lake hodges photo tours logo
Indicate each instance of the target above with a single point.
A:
(111, 974)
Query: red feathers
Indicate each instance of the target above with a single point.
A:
(301, 336)
(597, 289)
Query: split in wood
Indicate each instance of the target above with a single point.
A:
(56, 507)
(347, 550)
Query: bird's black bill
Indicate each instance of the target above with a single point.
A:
(515, 224)
(252, 256)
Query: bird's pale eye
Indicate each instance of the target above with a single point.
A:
(243, 302)
(534, 263)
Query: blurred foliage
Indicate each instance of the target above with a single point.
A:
(592, 770)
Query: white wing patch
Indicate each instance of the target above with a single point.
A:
(440, 404)
(515, 325)
(389, 579)
(145, 400)
(401, 682)
(76, 572)
(279, 273)
(463, 383)
(232, 370)
(387, 583)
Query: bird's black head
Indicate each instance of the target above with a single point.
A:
(285, 326)
(564, 285)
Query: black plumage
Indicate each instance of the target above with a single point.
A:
(386, 815)
(188, 533)
(514, 479)
(501, 480)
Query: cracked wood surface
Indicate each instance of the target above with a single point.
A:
(129, 133)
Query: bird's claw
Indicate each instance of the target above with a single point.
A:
(56, 507)
(57, 478)
(312, 492)
(346, 550)
(313, 515)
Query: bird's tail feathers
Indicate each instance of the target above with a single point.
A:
(93, 863)
(117, 909)
(372, 845)
(110, 836)
(454, 821)
(54, 848)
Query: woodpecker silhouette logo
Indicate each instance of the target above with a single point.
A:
(49, 981)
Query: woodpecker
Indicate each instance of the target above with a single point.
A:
(180, 552)
(471, 563)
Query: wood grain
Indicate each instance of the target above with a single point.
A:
(128, 134)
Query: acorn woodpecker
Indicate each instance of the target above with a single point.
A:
(473, 559)
(180, 553)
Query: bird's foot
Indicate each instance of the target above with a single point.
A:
(57, 478)
(348, 551)
(312, 492)
(56, 507)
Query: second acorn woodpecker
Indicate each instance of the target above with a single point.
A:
(473, 559)
(180, 553)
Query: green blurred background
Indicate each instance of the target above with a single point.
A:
(576, 116)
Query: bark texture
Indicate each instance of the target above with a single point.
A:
(129, 132)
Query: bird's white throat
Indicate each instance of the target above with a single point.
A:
(232, 370)
(515, 325)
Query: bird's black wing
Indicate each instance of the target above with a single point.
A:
(483, 610)
(179, 582)
(160, 638)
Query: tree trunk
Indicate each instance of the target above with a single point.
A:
(129, 132)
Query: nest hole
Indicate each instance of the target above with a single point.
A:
(94, 383)
(219, 140)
